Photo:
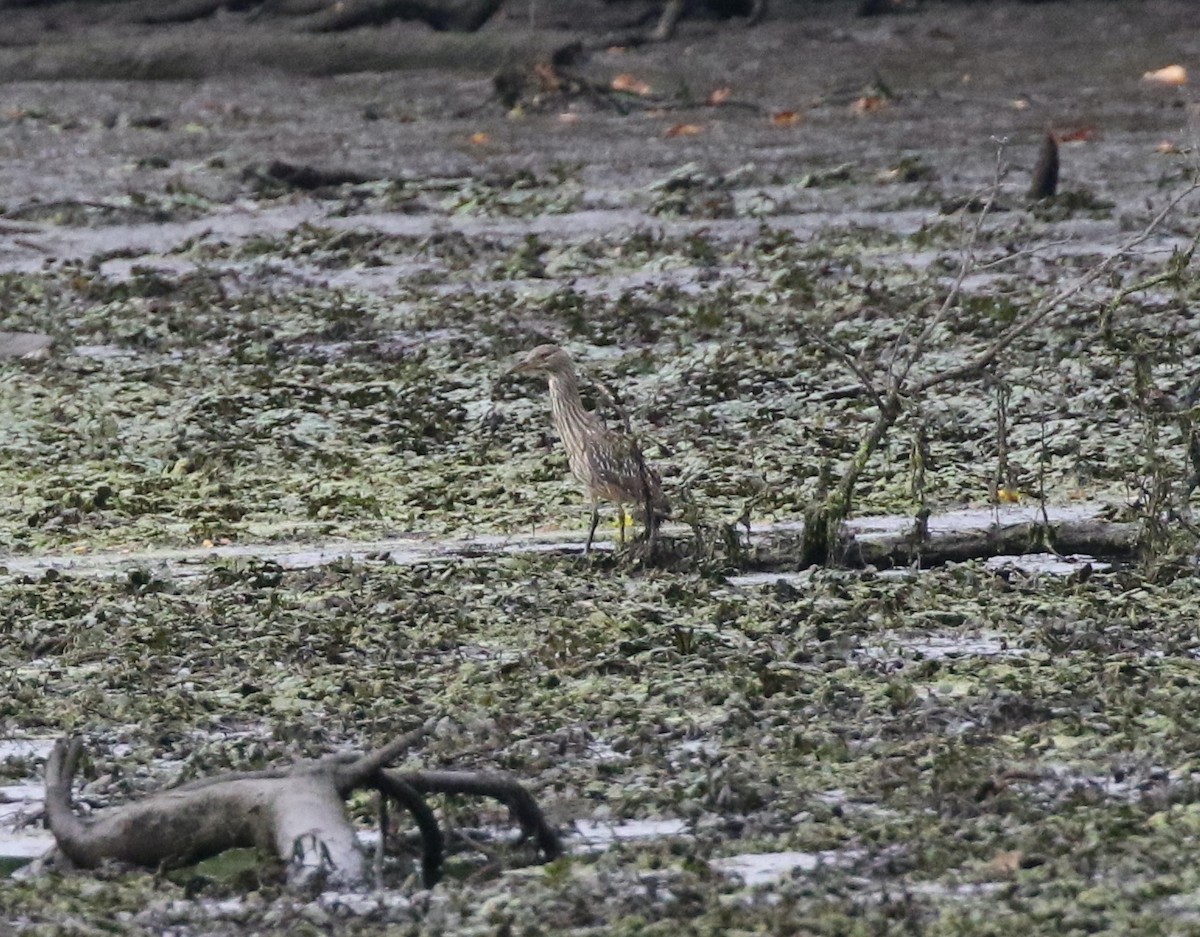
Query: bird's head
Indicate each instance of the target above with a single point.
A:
(544, 359)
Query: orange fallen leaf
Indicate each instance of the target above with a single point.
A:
(1174, 75)
(617, 50)
(719, 96)
(683, 130)
(568, 117)
(1008, 495)
(1079, 135)
(480, 138)
(1019, 104)
(786, 118)
(869, 103)
(79, 548)
(1167, 148)
(206, 543)
(627, 82)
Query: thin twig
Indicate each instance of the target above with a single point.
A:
(1024, 252)
(965, 266)
(1048, 306)
(849, 361)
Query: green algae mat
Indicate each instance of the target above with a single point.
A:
(983, 748)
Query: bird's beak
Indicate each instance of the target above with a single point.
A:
(521, 367)
(503, 379)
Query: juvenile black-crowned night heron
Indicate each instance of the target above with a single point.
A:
(608, 464)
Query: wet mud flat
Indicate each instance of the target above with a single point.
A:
(257, 391)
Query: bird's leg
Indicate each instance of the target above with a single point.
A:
(652, 522)
(621, 523)
(592, 530)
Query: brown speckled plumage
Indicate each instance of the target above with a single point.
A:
(608, 464)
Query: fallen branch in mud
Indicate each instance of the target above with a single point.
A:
(1109, 541)
(169, 53)
(1099, 539)
(464, 15)
(296, 813)
(318, 15)
(674, 10)
(305, 178)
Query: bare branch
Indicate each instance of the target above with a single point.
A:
(851, 364)
(965, 266)
(1052, 303)
(356, 773)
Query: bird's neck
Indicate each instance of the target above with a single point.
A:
(566, 407)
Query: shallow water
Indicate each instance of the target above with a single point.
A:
(596, 836)
(891, 645)
(20, 837)
(766, 867)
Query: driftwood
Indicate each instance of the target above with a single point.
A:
(306, 178)
(1104, 540)
(295, 813)
(674, 10)
(460, 16)
(168, 53)
(324, 15)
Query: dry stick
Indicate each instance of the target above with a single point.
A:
(964, 268)
(849, 361)
(837, 504)
(1024, 252)
(381, 846)
(355, 773)
(1141, 286)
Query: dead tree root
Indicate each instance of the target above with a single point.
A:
(296, 813)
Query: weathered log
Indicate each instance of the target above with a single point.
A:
(294, 7)
(176, 11)
(307, 178)
(455, 15)
(169, 53)
(1109, 541)
(675, 9)
(1103, 540)
(297, 814)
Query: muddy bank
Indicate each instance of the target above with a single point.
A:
(258, 389)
